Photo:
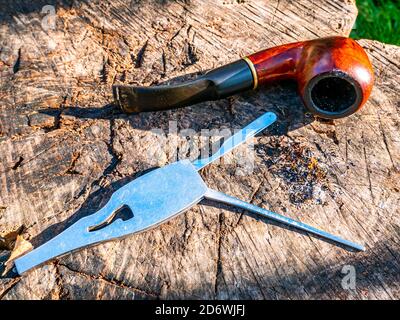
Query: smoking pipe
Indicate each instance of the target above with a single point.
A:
(334, 77)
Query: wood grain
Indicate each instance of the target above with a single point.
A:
(64, 149)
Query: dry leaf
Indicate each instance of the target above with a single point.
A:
(21, 247)
(7, 238)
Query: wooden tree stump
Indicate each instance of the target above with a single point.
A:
(64, 149)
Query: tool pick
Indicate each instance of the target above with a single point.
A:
(156, 197)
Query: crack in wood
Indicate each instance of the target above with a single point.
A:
(18, 164)
(12, 284)
(71, 169)
(17, 63)
(62, 293)
(218, 267)
(140, 55)
(114, 282)
(367, 168)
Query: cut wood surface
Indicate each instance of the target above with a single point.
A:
(65, 148)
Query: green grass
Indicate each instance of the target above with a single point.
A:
(378, 20)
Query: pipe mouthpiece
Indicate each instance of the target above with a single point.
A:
(216, 84)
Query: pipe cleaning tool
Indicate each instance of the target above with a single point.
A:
(153, 199)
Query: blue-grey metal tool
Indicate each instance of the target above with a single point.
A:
(155, 198)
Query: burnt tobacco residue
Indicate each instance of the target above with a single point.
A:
(295, 164)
